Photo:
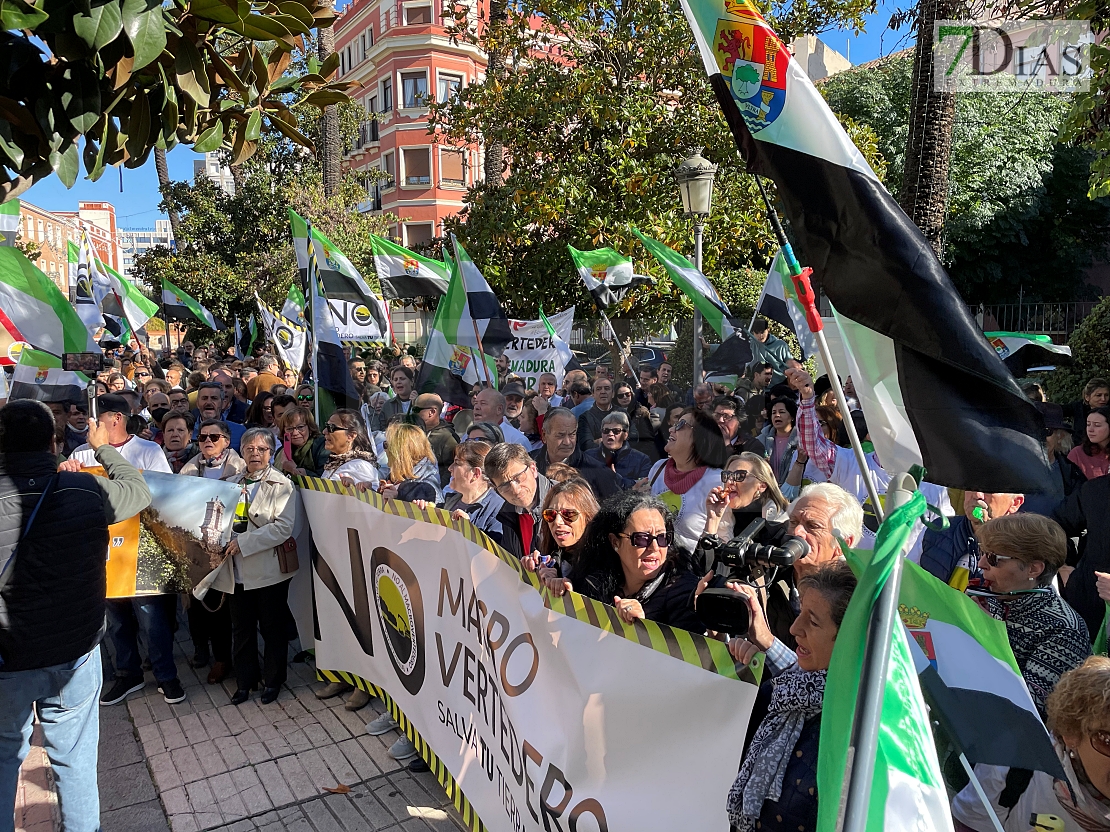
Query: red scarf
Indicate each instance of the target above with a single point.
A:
(679, 482)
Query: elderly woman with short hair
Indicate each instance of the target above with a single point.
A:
(615, 450)
(1019, 555)
(217, 460)
(257, 568)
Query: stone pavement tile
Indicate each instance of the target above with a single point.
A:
(139, 711)
(378, 751)
(120, 750)
(115, 722)
(333, 726)
(362, 764)
(414, 825)
(172, 735)
(145, 817)
(210, 759)
(299, 741)
(125, 786)
(184, 823)
(151, 738)
(307, 697)
(214, 724)
(183, 708)
(200, 796)
(254, 715)
(193, 727)
(322, 819)
(251, 791)
(413, 792)
(293, 708)
(208, 820)
(292, 820)
(159, 709)
(227, 798)
(432, 787)
(239, 826)
(231, 752)
(370, 808)
(391, 797)
(353, 721)
(316, 735)
(232, 719)
(276, 788)
(317, 770)
(176, 802)
(347, 814)
(266, 732)
(343, 771)
(164, 771)
(256, 752)
(187, 765)
(278, 747)
(296, 778)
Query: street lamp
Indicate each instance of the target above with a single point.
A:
(695, 184)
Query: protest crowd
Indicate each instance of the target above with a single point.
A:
(623, 486)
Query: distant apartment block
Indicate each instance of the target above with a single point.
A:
(135, 242)
(211, 168)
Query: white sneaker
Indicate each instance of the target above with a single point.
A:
(382, 725)
(403, 749)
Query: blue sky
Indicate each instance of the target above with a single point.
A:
(137, 205)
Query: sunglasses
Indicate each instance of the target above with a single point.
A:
(642, 540)
(734, 476)
(1100, 742)
(306, 397)
(330, 428)
(210, 437)
(568, 514)
(142, 375)
(681, 424)
(624, 394)
(612, 431)
(993, 559)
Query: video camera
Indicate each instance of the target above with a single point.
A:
(726, 610)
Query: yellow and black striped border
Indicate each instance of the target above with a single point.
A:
(462, 805)
(706, 653)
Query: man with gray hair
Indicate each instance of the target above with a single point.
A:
(615, 453)
(489, 406)
(267, 377)
(560, 444)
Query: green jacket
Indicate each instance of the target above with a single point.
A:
(775, 352)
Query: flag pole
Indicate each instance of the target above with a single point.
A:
(863, 744)
(310, 320)
(616, 339)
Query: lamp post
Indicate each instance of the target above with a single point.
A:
(695, 184)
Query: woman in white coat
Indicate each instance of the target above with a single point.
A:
(257, 569)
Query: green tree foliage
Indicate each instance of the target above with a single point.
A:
(591, 151)
(1090, 351)
(127, 76)
(1088, 123)
(233, 246)
(1018, 212)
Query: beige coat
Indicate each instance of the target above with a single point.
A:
(234, 466)
(272, 515)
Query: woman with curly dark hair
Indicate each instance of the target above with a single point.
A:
(629, 560)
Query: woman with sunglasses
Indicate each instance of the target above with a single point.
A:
(630, 562)
(471, 497)
(306, 395)
(696, 453)
(1019, 554)
(641, 433)
(567, 510)
(1079, 722)
(747, 492)
(217, 460)
(352, 459)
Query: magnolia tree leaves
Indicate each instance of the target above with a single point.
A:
(103, 82)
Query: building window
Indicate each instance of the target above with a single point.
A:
(418, 165)
(452, 167)
(414, 89)
(390, 169)
(372, 104)
(417, 233)
(342, 64)
(415, 15)
(349, 64)
(448, 87)
(387, 95)
(362, 40)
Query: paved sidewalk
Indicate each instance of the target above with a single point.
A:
(207, 765)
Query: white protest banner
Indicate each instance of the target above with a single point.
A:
(533, 351)
(355, 322)
(540, 717)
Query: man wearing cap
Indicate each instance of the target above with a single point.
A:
(150, 614)
(589, 423)
(514, 401)
(489, 406)
(441, 434)
(839, 465)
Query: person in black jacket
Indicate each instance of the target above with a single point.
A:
(52, 594)
(560, 444)
(630, 562)
(1084, 515)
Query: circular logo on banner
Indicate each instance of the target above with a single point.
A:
(284, 336)
(15, 349)
(361, 315)
(401, 614)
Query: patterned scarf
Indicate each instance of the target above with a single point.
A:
(796, 697)
(1087, 808)
(336, 460)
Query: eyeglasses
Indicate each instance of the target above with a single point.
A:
(306, 397)
(512, 483)
(725, 416)
(210, 437)
(993, 559)
(258, 449)
(681, 424)
(624, 394)
(297, 428)
(142, 375)
(642, 540)
(1100, 742)
(330, 428)
(734, 476)
(612, 431)
(568, 514)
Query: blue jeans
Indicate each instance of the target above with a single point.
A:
(148, 614)
(67, 697)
